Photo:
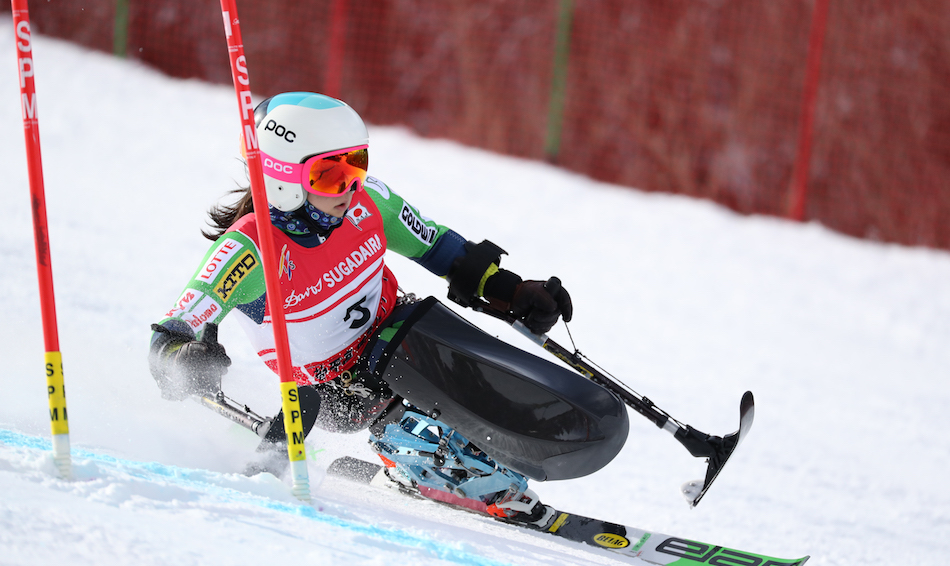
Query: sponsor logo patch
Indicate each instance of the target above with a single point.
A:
(211, 270)
(348, 265)
(204, 312)
(425, 234)
(611, 540)
(187, 298)
(244, 265)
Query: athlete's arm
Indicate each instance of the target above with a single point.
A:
(410, 234)
(230, 276)
(471, 269)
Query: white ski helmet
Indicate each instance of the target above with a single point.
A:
(295, 126)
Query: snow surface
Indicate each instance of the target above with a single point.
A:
(844, 342)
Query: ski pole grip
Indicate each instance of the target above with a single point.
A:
(553, 285)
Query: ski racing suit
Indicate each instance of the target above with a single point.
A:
(340, 302)
(337, 294)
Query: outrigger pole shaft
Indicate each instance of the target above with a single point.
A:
(699, 444)
(715, 449)
(244, 417)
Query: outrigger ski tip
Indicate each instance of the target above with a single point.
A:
(719, 450)
(715, 449)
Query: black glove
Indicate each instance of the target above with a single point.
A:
(537, 304)
(183, 366)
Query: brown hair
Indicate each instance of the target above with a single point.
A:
(224, 216)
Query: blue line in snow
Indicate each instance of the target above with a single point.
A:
(196, 479)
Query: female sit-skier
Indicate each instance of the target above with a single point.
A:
(449, 408)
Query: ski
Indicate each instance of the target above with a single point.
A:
(647, 547)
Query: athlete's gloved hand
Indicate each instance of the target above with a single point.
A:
(202, 363)
(538, 304)
(476, 274)
(183, 366)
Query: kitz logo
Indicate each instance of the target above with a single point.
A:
(242, 267)
(699, 553)
(272, 126)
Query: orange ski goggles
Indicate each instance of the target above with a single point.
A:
(327, 174)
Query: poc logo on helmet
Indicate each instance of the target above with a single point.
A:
(272, 126)
(281, 167)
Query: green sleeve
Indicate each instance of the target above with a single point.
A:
(229, 275)
(408, 232)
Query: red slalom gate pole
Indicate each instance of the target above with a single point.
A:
(290, 403)
(816, 41)
(31, 131)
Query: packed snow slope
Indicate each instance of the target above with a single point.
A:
(844, 343)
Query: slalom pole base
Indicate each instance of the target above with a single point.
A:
(301, 480)
(61, 455)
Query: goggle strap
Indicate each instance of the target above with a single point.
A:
(282, 170)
